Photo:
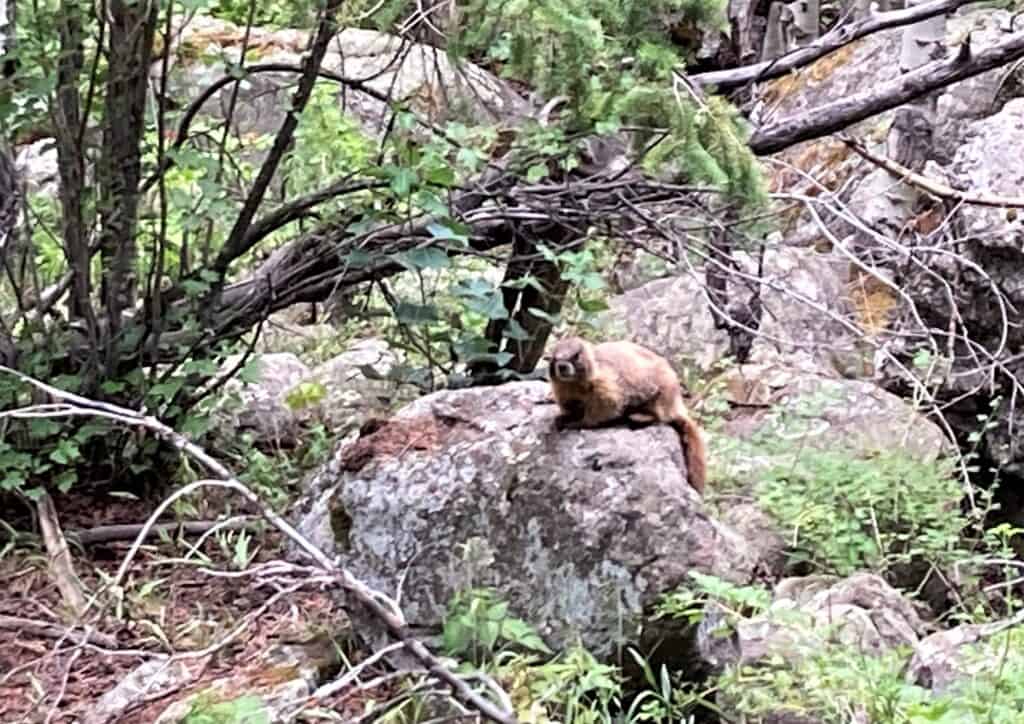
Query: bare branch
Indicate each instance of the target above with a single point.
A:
(234, 246)
(933, 187)
(61, 568)
(56, 631)
(128, 531)
(829, 43)
(835, 116)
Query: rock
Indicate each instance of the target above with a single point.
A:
(979, 164)
(808, 617)
(418, 74)
(985, 277)
(870, 61)
(357, 385)
(754, 524)
(578, 530)
(299, 339)
(961, 654)
(826, 413)
(261, 407)
(269, 688)
(38, 166)
(862, 611)
(149, 680)
(823, 164)
(674, 316)
(974, 98)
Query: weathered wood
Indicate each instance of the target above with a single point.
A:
(828, 43)
(844, 112)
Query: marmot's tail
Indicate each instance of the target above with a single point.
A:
(694, 450)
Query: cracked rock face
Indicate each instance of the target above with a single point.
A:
(578, 530)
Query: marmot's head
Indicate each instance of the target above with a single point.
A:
(571, 360)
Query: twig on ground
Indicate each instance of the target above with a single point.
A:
(56, 631)
(128, 531)
(60, 565)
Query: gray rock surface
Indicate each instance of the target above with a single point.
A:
(356, 385)
(823, 413)
(861, 611)
(261, 407)
(578, 530)
(422, 76)
(804, 297)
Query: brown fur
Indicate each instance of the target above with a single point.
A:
(595, 385)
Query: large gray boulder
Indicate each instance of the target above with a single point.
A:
(391, 68)
(804, 298)
(579, 530)
(825, 413)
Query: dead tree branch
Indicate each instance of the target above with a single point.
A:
(931, 186)
(56, 631)
(234, 246)
(835, 116)
(61, 567)
(128, 531)
(828, 43)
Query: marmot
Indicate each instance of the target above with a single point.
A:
(597, 384)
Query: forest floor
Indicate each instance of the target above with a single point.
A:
(169, 607)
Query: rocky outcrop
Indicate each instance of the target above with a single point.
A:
(805, 304)
(825, 413)
(983, 275)
(390, 68)
(862, 611)
(578, 530)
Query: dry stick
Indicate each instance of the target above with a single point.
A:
(61, 568)
(392, 619)
(931, 186)
(109, 533)
(56, 631)
(834, 116)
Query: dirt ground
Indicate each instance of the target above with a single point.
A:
(168, 606)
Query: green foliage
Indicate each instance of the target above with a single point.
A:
(688, 603)
(831, 681)
(478, 625)
(848, 513)
(614, 64)
(243, 710)
(840, 509)
(268, 13)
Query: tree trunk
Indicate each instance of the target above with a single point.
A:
(545, 293)
(67, 124)
(132, 27)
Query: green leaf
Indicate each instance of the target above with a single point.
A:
(423, 258)
(536, 172)
(416, 314)
(402, 180)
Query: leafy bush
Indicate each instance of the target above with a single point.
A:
(845, 513)
(839, 683)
